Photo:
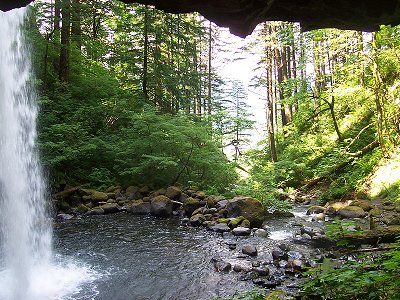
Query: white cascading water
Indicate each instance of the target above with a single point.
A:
(26, 233)
(28, 270)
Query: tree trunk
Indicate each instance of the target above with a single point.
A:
(145, 53)
(76, 29)
(65, 41)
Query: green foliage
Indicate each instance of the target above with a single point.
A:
(374, 276)
(255, 294)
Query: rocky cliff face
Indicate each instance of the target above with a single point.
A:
(241, 16)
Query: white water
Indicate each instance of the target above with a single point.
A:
(27, 270)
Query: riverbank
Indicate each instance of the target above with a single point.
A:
(262, 247)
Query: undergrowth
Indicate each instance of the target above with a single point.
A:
(371, 276)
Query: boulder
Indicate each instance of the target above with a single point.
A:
(222, 204)
(220, 228)
(134, 196)
(173, 192)
(315, 210)
(190, 205)
(333, 209)
(111, 208)
(82, 208)
(131, 189)
(350, 212)
(250, 250)
(199, 195)
(247, 207)
(235, 222)
(222, 266)
(261, 233)
(197, 220)
(364, 204)
(262, 270)
(139, 208)
(241, 231)
(279, 255)
(145, 190)
(161, 206)
(212, 200)
(95, 211)
(318, 217)
(375, 212)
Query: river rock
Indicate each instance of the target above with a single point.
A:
(315, 210)
(212, 200)
(250, 250)
(284, 247)
(111, 208)
(375, 212)
(220, 228)
(139, 208)
(173, 192)
(270, 284)
(135, 196)
(131, 189)
(261, 233)
(364, 204)
(262, 270)
(82, 208)
(161, 206)
(392, 219)
(190, 205)
(350, 212)
(197, 220)
(248, 276)
(247, 207)
(64, 217)
(241, 231)
(318, 217)
(200, 210)
(235, 222)
(144, 190)
(222, 266)
(333, 209)
(95, 211)
(279, 255)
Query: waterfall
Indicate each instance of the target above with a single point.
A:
(25, 228)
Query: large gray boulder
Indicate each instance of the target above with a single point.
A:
(139, 208)
(161, 206)
(111, 208)
(173, 192)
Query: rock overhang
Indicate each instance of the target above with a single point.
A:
(242, 16)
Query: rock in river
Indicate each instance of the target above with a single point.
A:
(241, 231)
(250, 250)
(161, 206)
(350, 212)
(248, 207)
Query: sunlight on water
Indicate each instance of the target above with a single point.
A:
(280, 235)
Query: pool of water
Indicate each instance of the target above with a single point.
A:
(135, 257)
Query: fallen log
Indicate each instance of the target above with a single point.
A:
(68, 192)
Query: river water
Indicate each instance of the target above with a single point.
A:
(136, 257)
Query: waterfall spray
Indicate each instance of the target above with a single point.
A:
(26, 233)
